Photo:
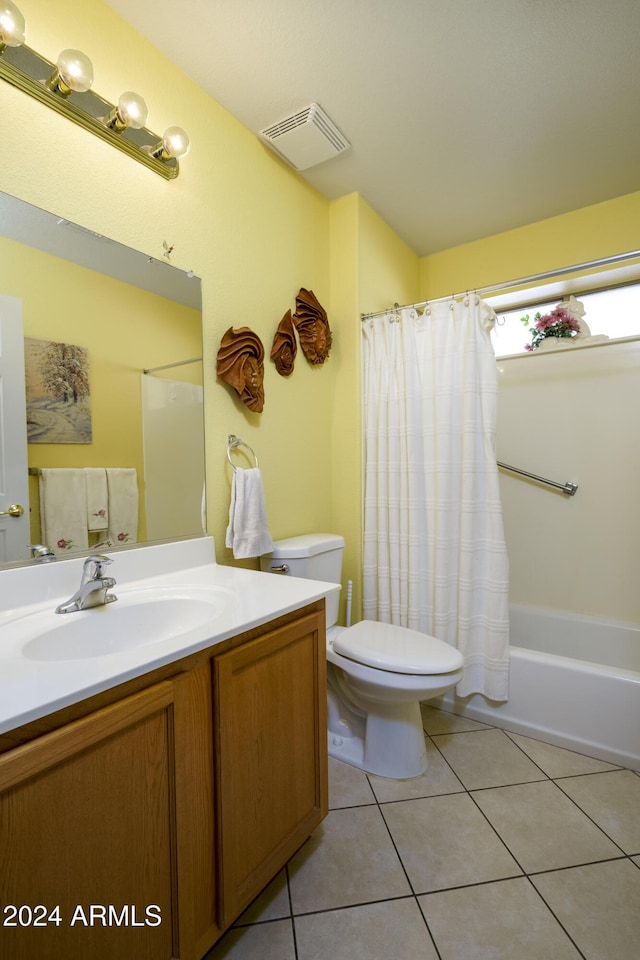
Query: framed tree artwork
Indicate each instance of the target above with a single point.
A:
(58, 394)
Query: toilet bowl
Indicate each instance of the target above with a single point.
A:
(377, 673)
(377, 676)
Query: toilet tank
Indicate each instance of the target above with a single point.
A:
(314, 556)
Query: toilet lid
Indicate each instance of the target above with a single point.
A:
(396, 649)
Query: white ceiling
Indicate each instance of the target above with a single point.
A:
(466, 117)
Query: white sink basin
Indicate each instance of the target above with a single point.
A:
(138, 618)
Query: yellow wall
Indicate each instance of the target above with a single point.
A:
(590, 233)
(118, 326)
(237, 215)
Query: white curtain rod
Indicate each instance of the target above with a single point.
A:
(507, 285)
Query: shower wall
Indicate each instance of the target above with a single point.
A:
(172, 419)
(572, 415)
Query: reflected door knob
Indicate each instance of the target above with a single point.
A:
(15, 510)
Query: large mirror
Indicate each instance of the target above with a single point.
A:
(100, 391)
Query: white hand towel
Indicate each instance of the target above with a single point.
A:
(247, 533)
(97, 498)
(63, 510)
(122, 484)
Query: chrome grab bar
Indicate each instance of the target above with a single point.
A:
(568, 487)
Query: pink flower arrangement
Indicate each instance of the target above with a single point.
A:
(557, 323)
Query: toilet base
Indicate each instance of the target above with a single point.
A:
(392, 743)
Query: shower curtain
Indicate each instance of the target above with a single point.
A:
(434, 552)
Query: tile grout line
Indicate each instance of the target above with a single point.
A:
(577, 866)
(511, 734)
(413, 893)
(589, 817)
(292, 918)
(553, 914)
(469, 794)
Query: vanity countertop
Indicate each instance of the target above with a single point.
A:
(31, 688)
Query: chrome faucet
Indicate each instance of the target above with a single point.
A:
(93, 588)
(41, 553)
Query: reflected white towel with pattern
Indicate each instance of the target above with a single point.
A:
(97, 498)
(63, 510)
(122, 485)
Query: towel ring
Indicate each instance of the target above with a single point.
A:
(237, 442)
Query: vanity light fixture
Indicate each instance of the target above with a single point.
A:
(65, 86)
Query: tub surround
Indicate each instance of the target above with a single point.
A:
(31, 689)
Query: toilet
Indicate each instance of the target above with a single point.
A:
(377, 673)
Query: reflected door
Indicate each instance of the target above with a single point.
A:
(14, 490)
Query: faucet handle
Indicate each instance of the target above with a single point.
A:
(94, 567)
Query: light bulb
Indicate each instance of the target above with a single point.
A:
(131, 111)
(12, 25)
(175, 143)
(74, 73)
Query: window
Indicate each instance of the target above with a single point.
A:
(614, 312)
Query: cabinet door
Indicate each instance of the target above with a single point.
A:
(88, 840)
(271, 756)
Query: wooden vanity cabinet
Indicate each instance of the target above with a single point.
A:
(144, 827)
(270, 756)
(88, 836)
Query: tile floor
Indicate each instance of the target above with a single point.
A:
(506, 849)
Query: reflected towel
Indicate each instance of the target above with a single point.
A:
(247, 533)
(97, 498)
(122, 484)
(63, 510)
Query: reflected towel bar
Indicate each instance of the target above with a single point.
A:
(568, 487)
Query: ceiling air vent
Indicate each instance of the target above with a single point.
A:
(306, 138)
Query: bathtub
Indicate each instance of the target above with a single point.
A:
(574, 682)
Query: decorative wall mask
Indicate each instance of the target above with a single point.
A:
(241, 365)
(312, 325)
(285, 348)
